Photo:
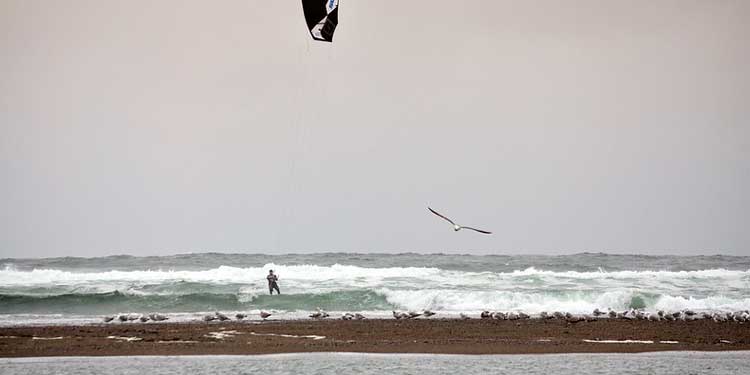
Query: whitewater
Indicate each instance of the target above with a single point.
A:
(81, 290)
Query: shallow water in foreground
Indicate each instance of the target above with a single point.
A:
(355, 363)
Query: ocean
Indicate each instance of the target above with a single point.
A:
(714, 363)
(186, 287)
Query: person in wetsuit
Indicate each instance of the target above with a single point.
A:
(272, 282)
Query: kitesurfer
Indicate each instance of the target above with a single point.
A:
(272, 279)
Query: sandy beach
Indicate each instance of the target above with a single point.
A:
(377, 336)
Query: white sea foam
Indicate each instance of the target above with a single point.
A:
(415, 288)
(535, 302)
(222, 274)
(711, 303)
(338, 273)
(712, 273)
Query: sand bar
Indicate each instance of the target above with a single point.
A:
(377, 336)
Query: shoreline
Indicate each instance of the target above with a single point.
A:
(425, 336)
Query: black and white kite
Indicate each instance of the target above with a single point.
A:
(457, 227)
(322, 16)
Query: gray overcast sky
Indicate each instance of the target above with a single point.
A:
(156, 127)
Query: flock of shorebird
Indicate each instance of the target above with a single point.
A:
(135, 318)
(631, 314)
(412, 314)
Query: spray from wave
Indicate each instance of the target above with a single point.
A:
(340, 287)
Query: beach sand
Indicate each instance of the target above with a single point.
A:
(377, 336)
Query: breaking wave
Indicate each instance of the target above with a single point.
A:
(340, 287)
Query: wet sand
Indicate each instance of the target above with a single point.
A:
(376, 336)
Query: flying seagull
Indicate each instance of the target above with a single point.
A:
(457, 227)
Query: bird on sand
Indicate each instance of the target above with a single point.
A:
(499, 315)
(457, 227)
(159, 317)
(264, 315)
(320, 314)
(400, 315)
(221, 316)
(413, 314)
(209, 318)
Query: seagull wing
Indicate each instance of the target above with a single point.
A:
(477, 230)
(436, 213)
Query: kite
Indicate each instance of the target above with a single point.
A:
(322, 16)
